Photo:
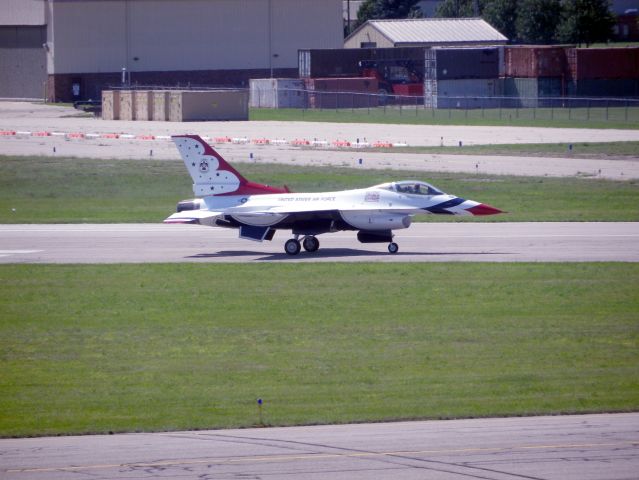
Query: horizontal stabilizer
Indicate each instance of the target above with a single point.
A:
(197, 217)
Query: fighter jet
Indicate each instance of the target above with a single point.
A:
(227, 199)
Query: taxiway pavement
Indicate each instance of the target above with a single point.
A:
(422, 242)
(580, 447)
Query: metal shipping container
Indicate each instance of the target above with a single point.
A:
(532, 92)
(347, 62)
(535, 61)
(277, 93)
(611, 88)
(592, 63)
(202, 105)
(359, 92)
(331, 62)
(459, 63)
(463, 93)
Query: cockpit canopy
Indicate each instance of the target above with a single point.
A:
(411, 186)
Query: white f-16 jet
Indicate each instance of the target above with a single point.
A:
(230, 200)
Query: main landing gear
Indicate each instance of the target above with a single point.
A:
(311, 244)
(293, 246)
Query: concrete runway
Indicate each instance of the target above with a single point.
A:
(422, 242)
(583, 447)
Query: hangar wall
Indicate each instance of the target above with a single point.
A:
(165, 42)
(22, 62)
(22, 56)
(22, 12)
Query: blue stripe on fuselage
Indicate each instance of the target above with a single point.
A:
(442, 207)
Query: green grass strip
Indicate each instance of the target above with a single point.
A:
(91, 349)
(69, 190)
(614, 116)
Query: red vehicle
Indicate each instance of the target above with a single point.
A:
(395, 77)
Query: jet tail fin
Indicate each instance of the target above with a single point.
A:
(211, 174)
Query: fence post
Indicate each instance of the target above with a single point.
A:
(607, 103)
(587, 109)
(626, 114)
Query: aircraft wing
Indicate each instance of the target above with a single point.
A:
(198, 217)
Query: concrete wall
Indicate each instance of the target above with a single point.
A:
(164, 35)
(22, 62)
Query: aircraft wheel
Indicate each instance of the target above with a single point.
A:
(393, 247)
(292, 247)
(311, 244)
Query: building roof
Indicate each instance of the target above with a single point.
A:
(435, 30)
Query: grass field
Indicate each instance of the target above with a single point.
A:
(87, 349)
(85, 190)
(625, 117)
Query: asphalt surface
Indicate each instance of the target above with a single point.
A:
(583, 447)
(422, 242)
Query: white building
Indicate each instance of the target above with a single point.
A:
(85, 45)
(424, 32)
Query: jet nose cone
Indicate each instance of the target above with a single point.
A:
(483, 209)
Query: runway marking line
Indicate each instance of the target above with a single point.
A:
(316, 456)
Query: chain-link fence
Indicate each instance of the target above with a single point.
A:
(602, 109)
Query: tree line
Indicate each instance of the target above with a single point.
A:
(522, 21)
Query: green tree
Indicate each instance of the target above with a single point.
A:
(502, 15)
(381, 9)
(459, 8)
(537, 20)
(585, 21)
